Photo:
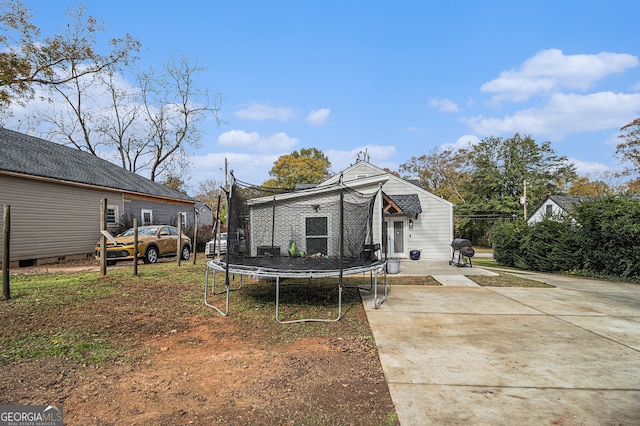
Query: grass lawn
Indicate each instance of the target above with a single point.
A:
(146, 350)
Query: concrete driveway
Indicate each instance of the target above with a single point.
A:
(464, 355)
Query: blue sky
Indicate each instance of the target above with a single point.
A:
(394, 78)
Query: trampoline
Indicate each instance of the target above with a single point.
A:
(321, 232)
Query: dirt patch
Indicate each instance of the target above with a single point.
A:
(175, 362)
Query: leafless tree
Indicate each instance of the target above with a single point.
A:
(174, 105)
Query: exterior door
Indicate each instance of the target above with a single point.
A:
(395, 237)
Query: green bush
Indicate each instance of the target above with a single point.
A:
(506, 237)
(610, 236)
(602, 238)
(552, 245)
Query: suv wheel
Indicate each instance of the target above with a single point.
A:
(186, 253)
(151, 256)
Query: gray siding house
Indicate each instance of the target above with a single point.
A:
(204, 213)
(55, 192)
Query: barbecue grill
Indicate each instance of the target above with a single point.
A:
(464, 251)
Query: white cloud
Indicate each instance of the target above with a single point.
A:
(260, 112)
(586, 168)
(253, 141)
(462, 142)
(318, 117)
(443, 105)
(564, 114)
(238, 138)
(550, 70)
(278, 142)
(30, 116)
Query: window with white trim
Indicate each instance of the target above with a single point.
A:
(147, 216)
(317, 233)
(183, 220)
(112, 216)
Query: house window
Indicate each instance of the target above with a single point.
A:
(147, 216)
(183, 220)
(112, 215)
(316, 232)
(548, 209)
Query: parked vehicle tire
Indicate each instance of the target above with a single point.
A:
(186, 252)
(151, 255)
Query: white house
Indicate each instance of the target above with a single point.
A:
(406, 216)
(554, 206)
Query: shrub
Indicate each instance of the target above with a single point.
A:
(610, 236)
(552, 245)
(506, 237)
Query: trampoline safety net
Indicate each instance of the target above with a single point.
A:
(324, 228)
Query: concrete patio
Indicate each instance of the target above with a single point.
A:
(453, 355)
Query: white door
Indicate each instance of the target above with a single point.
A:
(396, 238)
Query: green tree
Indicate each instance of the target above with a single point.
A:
(28, 60)
(440, 172)
(587, 187)
(498, 169)
(629, 150)
(310, 165)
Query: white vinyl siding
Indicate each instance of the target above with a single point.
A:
(432, 231)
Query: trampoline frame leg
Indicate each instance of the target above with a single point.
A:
(228, 289)
(379, 301)
(306, 319)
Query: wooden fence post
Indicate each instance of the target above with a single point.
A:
(194, 243)
(135, 246)
(103, 238)
(179, 248)
(6, 231)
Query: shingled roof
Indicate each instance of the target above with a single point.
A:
(408, 203)
(28, 155)
(566, 202)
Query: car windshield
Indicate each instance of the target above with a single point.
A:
(141, 231)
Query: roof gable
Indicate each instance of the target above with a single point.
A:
(566, 202)
(364, 168)
(402, 204)
(28, 155)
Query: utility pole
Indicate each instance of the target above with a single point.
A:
(226, 174)
(524, 200)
